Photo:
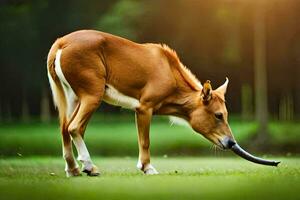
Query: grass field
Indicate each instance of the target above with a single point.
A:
(179, 178)
(27, 171)
(119, 138)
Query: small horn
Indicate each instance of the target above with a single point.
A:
(244, 154)
(222, 89)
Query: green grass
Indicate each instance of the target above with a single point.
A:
(118, 138)
(196, 178)
(220, 177)
(105, 139)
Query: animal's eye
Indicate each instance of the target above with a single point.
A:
(219, 116)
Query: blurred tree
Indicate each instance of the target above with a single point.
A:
(286, 107)
(214, 38)
(1, 113)
(45, 115)
(16, 57)
(260, 70)
(246, 100)
(25, 115)
(122, 19)
(28, 29)
(229, 17)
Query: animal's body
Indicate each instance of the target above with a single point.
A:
(87, 67)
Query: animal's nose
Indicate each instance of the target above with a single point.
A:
(228, 142)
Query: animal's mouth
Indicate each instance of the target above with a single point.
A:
(221, 145)
(217, 141)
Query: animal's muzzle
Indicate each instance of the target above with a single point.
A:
(227, 142)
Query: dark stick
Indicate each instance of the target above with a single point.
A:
(244, 154)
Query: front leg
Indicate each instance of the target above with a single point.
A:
(143, 120)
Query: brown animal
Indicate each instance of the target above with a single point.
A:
(86, 67)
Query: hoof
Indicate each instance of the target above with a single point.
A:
(93, 172)
(148, 169)
(73, 172)
(151, 171)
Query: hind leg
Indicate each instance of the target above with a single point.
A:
(77, 128)
(85, 73)
(87, 105)
(72, 168)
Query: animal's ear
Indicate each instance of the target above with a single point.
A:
(206, 92)
(222, 89)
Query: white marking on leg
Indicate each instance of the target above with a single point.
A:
(148, 168)
(69, 158)
(83, 153)
(114, 97)
(139, 165)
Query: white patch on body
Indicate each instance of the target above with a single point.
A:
(53, 89)
(69, 93)
(178, 121)
(114, 97)
(58, 69)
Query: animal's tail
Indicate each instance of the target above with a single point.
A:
(58, 94)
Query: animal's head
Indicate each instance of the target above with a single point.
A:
(210, 116)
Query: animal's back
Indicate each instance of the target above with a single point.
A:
(128, 66)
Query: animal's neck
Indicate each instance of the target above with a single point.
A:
(181, 102)
(186, 97)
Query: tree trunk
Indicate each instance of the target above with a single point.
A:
(260, 74)
(45, 108)
(247, 104)
(25, 116)
(8, 117)
(286, 108)
(1, 112)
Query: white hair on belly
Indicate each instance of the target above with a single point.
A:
(114, 97)
(178, 121)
